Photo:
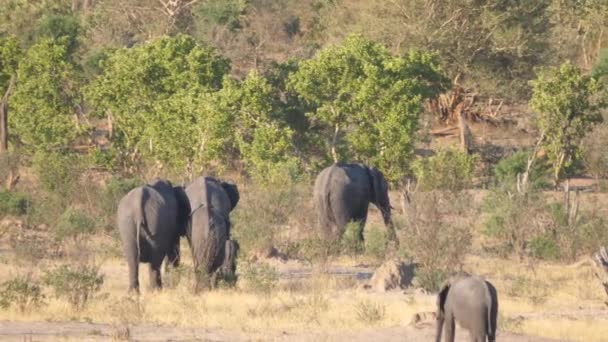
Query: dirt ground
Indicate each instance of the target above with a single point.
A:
(71, 331)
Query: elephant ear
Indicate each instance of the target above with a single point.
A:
(183, 205)
(441, 298)
(233, 193)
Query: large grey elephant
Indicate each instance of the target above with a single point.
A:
(473, 303)
(151, 218)
(342, 193)
(211, 201)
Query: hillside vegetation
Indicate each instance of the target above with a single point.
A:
(476, 111)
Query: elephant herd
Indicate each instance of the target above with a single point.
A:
(152, 218)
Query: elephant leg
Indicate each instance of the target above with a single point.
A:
(133, 264)
(449, 327)
(155, 278)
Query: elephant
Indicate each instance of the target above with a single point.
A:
(151, 218)
(208, 234)
(342, 193)
(473, 303)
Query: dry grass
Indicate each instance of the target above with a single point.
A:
(324, 303)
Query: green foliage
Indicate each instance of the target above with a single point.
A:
(21, 292)
(262, 135)
(367, 101)
(376, 241)
(600, 69)
(544, 247)
(449, 169)
(508, 168)
(44, 101)
(61, 28)
(74, 223)
(76, 284)
(224, 12)
(351, 239)
(158, 95)
(509, 218)
(13, 203)
(568, 107)
(259, 278)
(10, 53)
(59, 173)
(594, 152)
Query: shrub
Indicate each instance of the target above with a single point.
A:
(22, 293)
(59, 173)
(351, 239)
(544, 247)
(260, 278)
(507, 169)
(13, 203)
(514, 219)
(595, 154)
(264, 212)
(75, 284)
(449, 169)
(375, 242)
(370, 312)
(437, 238)
(74, 223)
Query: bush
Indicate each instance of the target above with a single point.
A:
(437, 238)
(351, 239)
(13, 203)
(264, 212)
(22, 293)
(74, 223)
(77, 285)
(507, 169)
(527, 225)
(544, 247)
(375, 242)
(595, 154)
(59, 173)
(260, 278)
(514, 219)
(449, 169)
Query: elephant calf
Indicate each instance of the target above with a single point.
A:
(472, 302)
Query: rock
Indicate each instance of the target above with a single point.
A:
(421, 319)
(392, 275)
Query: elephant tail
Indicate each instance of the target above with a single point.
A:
(489, 326)
(141, 222)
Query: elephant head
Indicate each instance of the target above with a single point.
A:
(380, 194)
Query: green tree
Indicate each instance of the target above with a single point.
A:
(43, 105)
(262, 135)
(367, 102)
(568, 106)
(10, 54)
(158, 99)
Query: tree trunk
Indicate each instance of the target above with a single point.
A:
(4, 116)
(334, 142)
